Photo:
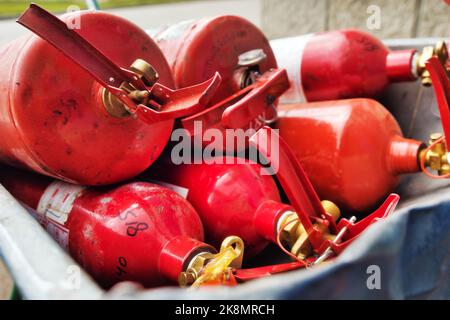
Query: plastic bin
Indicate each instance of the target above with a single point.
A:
(6, 283)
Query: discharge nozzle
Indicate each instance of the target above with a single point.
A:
(439, 51)
(214, 269)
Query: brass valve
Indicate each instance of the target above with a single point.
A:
(207, 267)
(332, 209)
(143, 71)
(437, 158)
(195, 266)
(294, 235)
(248, 67)
(440, 51)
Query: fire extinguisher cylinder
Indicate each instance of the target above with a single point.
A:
(135, 232)
(239, 51)
(346, 64)
(196, 49)
(233, 198)
(353, 150)
(74, 109)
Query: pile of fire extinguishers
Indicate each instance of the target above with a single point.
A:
(93, 111)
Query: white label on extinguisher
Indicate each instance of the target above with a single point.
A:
(57, 201)
(54, 208)
(289, 55)
(58, 232)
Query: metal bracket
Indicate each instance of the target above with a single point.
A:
(126, 85)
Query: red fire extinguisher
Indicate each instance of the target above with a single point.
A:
(239, 51)
(353, 150)
(74, 109)
(240, 197)
(135, 232)
(347, 64)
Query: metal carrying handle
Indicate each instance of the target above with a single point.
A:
(354, 230)
(166, 103)
(436, 156)
(266, 89)
(441, 86)
(295, 183)
(265, 271)
(243, 107)
(440, 52)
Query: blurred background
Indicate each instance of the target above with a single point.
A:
(277, 18)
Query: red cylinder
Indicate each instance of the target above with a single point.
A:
(340, 64)
(352, 150)
(231, 198)
(53, 118)
(115, 233)
(197, 49)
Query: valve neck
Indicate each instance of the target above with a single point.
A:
(244, 77)
(178, 255)
(401, 65)
(206, 268)
(278, 222)
(248, 68)
(408, 65)
(436, 156)
(439, 51)
(403, 155)
(115, 107)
